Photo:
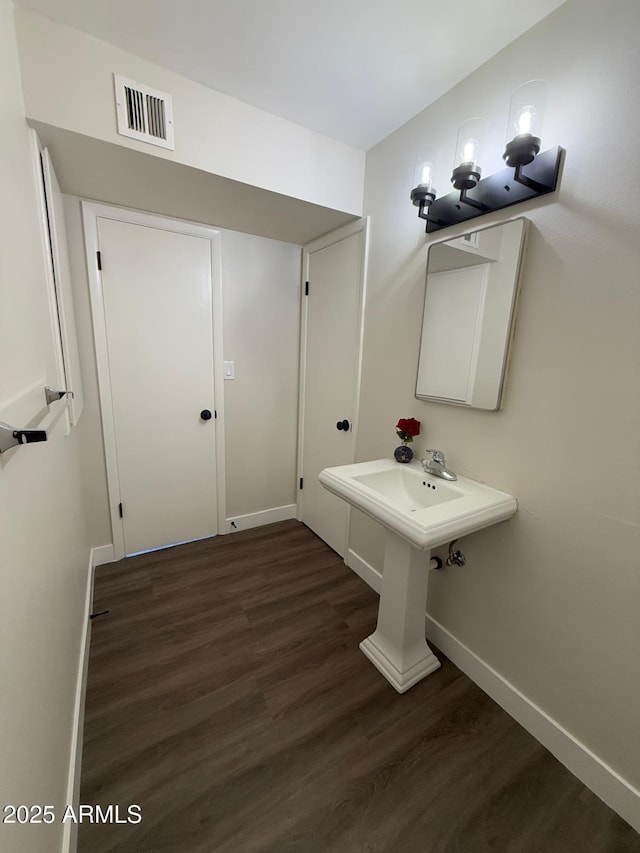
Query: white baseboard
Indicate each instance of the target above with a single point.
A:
(103, 554)
(106, 553)
(70, 829)
(615, 791)
(364, 570)
(257, 519)
(576, 757)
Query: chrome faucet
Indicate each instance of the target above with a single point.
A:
(436, 464)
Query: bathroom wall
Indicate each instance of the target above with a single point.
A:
(549, 599)
(44, 550)
(261, 320)
(68, 83)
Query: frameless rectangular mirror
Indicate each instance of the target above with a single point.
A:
(469, 309)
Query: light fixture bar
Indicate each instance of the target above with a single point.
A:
(495, 192)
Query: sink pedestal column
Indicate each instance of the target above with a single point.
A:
(398, 647)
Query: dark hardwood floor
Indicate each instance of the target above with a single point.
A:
(228, 698)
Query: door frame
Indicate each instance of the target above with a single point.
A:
(91, 211)
(342, 233)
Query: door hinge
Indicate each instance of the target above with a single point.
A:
(120, 510)
(301, 483)
(99, 259)
(306, 288)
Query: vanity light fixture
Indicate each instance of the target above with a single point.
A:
(529, 173)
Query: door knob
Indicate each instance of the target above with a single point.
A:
(205, 414)
(343, 425)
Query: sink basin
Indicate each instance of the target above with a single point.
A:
(409, 489)
(419, 512)
(426, 511)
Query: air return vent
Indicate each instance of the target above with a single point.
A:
(144, 113)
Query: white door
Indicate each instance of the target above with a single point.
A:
(331, 375)
(157, 295)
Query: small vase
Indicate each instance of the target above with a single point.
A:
(403, 453)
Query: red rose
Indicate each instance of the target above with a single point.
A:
(407, 428)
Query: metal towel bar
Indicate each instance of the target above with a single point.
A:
(51, 394)
(12, 437)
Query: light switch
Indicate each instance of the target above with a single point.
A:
(229, 370)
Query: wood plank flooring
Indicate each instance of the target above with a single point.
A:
(228, 698)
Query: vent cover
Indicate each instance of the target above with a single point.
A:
(144, 113)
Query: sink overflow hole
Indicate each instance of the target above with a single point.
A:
(428, 485)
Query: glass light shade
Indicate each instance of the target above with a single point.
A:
(471, 137)
(468, 154)
(525, 123)
(526, 113)
(425, 174)
(423, 190)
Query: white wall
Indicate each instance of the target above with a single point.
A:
(550, 600)
(68, 83)
(44, 550)
(103, 171)
(261, 320)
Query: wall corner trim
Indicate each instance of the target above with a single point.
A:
(615, 791)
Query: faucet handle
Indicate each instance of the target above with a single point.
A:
(436, 465)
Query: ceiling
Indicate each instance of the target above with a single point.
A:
(354, 70)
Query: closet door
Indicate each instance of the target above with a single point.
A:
(332, 339)
(157, 382)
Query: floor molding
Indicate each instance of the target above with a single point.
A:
(70, 829)
(364, 570)
(617, 793)
(103, 554)
(257, 519)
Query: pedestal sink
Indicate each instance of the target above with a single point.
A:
(419, 512)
